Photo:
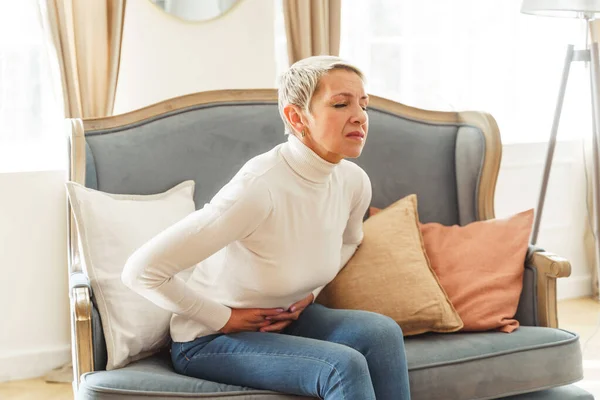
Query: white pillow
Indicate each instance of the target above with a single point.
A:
(111, 227)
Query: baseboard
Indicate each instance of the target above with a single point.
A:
(32, 363)
(574, 287)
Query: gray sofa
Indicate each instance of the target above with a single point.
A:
(450, 160)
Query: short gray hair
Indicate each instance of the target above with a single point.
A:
(298, 84)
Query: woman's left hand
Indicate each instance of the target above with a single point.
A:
(282, 320)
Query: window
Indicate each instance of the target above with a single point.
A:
(470, 55)
(31, 114)
(281, 53)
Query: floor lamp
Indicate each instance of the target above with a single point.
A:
(584, 9)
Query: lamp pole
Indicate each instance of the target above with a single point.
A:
(552, 143)
(590, 54)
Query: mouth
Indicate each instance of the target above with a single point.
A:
(355, 135)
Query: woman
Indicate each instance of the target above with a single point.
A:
(269, 241)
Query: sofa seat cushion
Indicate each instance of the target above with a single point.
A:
(453, 366)
(488, 365)
(154, 377)
(567, 392)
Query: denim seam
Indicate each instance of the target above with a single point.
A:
(278, 355)
(182, 353)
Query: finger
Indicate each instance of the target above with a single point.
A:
(272, 330)
(266, 312)
(258, 324)
(254, 327)
(284, 316)
(296, 306)
(302, 304)
(259, 318)
(278, 326)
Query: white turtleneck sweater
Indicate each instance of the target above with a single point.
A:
(282, 228)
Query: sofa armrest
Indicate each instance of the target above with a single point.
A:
(79, 279)
(548, 268)
(81, 325)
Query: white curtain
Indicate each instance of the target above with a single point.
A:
(467, 54)
(31, 113)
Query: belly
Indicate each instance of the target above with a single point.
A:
(294, 271)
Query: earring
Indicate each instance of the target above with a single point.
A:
(303, 133)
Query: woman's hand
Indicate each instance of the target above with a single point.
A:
(249, 319)
(280, 321)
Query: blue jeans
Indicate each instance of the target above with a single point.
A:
(329, 354)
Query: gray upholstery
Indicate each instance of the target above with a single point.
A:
(491, 364)
(527, 311)
(91, 179)
(209, 144)
(156, 376)
(99, 343)
(403, 157)
(570, 392)
(441, 366)
(470, 147)
(440, 163)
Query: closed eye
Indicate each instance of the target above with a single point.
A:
(344, 105)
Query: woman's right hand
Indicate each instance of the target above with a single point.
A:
(249, 319)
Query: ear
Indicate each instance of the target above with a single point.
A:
(294, 116)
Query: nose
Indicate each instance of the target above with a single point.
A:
(359, 116)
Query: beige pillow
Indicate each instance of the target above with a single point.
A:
(390, 274)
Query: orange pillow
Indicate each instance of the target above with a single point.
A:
(480, 266)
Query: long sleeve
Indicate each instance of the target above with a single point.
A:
(233, 214)
(353, 234)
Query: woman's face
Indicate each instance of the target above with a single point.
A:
(339, 124)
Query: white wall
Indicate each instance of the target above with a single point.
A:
(34, 304)
(164, 57)
(564, 215)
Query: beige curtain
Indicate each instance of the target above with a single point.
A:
(87, 38)
(589, 239)
(312, 27)
(591, 146)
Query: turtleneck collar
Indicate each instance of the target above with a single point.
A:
(306, 162)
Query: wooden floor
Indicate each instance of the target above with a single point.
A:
(35, 389)
(576, 315)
